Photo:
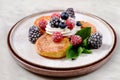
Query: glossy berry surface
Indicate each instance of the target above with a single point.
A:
(71, 12)
(70, 23)
(95, 40)
(42, 24)
(55, 15)
(62, 25)
(34, 34)
(75, 40)
(64, 15)
(78, 23)
(57, 36)
(54, 22)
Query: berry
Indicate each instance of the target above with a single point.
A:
(54, 22)
(75, 40)
(71, 12)
(70, 23)
(95, 40)
(42, 24)
(34, 34)
(78, 23)
(64, 15)
(62, 25)
(55, 15)
(57, 36)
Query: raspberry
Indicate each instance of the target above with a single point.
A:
(55, 15)
(75, 40)
(57, 36)
(34, 34)
(70, 23)
(42, 24)
(95, 40)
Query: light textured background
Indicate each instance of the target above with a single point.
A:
(13, 10)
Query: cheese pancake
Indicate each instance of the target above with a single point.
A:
(87, 24)
(46, 47)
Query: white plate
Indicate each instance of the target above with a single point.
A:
(21, 46)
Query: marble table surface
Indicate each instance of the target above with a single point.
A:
(13, 10)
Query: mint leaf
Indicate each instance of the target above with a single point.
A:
(85, 42)
(86, 51)
(80, 50)
(72, 52)
(84, 32)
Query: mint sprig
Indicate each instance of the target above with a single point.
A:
(73, 52)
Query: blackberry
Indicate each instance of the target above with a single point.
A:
(71, 12)
(54, 22)
(64, 15)
(34, 34)
(95, 40)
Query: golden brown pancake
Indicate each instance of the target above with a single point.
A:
(36, 23)
(46, 47)
(87, 24)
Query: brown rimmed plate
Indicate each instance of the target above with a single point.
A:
(24, 52)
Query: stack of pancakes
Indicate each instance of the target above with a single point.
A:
(46, 47)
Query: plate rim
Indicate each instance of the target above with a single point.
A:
(48, 11)
(61, 73)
